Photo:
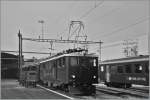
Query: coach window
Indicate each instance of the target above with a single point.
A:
(120, 69)
(138, 68)
(128, 68)
(73, 61)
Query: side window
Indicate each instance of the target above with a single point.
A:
(138, 68)
(120, 69)
(63, 62)
(146, 67)
(63, 59)
(128, 68)
(58, 63)
(73, 61)
(44, 66)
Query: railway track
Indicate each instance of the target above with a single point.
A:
(139, 90)
(112, 92)
(123, 92)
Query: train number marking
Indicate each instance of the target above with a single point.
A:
(136, 78)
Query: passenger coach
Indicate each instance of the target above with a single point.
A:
(125, 72)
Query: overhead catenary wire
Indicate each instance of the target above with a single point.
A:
(108, 46)
(124, 28)
(25, 52)
(90, 10)
(63, 32)
(86, 14)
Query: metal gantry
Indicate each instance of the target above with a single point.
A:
(51, 41)
(61, 41)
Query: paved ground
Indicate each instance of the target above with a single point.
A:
(10, 89)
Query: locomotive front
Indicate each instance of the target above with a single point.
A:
(84, 73)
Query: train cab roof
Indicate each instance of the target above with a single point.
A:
(29, 64)
(68, 55)
(127, 59)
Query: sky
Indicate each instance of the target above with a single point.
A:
(111, 21)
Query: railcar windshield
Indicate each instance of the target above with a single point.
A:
(87, 61)
(32, 73)
(83, 61)
(74, 61)
(33, 68)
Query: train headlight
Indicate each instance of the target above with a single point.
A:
(94, 76)
(73, 76)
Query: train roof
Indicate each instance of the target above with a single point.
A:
(65, 55)
(128, 59)
(27, 64)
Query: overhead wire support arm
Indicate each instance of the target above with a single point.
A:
(61, 41)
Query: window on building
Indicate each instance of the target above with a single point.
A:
(128, 68)
(120, 69)
(138, 68)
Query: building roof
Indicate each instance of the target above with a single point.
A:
(8, 58)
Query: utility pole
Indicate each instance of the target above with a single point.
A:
(100, 48)
(20, 54)
(130, 48)
(51, 48)
(42, 22)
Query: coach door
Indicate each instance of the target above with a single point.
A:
(107, 73)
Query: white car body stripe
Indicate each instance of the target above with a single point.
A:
(55, 92)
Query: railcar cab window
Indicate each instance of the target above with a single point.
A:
(138, 68)
(128, 68)
(84, 61)
(120, 69)
(92, 62)
(73, 61)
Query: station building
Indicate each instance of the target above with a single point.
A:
(9, 66)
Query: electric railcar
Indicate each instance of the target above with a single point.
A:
(29, 75)
(125, 72)
(69, 71)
